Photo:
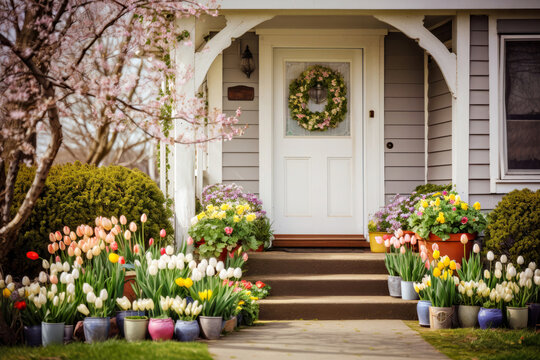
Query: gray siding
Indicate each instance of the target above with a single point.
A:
(403, 114)
(241, 155)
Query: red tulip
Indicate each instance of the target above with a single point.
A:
(121, 260)
(151, 241)
(32, 255)
(20, 305)
(162, 251)
(114, 246)
(162, 233)
(260, 284)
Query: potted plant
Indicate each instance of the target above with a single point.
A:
(56, 309)
(136, 326)
(442, 292)
(534, 306)
(386, 221)
(410, 266)
(96, 324)
(391, 263)
(32, 315)
(124, 305)
(470, 299)
(521, 286)
(186, 327)
(422, 308)
(161, 325)
(443, 218)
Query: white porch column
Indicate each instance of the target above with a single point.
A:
(215, 101)
(460, 106)
(184, 155)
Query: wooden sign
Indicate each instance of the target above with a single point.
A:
(241, 93)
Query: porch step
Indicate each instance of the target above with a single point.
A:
(279, 262)
(316, 240)
(336, 308)
(320, 285)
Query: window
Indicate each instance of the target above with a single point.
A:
(520, 69)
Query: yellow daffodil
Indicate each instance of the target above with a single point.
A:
(453, 265)
(236, 218)
(464, 205)
(180, 282)
(477, 206)
(200, 216)
(425, 204)
(440, 218)
(416, 288)
(210, 208)
(251, 217)
(239, 209)
(436, 254)
(225, 207)
(428, 283)
(247, 208)
(113, 257)
(438, 202)
(188, 283)
(6, 293)
(205, 295)
(436, 272)
(238, 308)
(440, 265)
(446, 261)
(445, 275)
(450, 272)
(209, 294)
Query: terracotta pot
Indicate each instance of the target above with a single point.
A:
(376, 248)
(129, 279)
(230, 324)
(451, 247)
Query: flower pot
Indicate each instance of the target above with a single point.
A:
(422, 309)
(376, 248)
(32, 334)
(96, 329)
(186, 330)
(210, 326)
(451, 247)
(121, 315)
(129, 279)
(468, 315)
(490, 318)
(68, 333)
(407, 290)
(394, 285)
(230, 324)
(440, 317)
(455, 319)
(161, 329)
(534, 313)
(517, 317)
(135, 329)
(239, 319)
(52, 333)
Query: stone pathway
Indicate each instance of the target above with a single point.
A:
(329, 339)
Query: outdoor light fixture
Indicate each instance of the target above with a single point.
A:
(317, 94)
(247, 65)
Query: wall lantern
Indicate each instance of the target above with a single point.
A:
(317, 94)
(247, 65)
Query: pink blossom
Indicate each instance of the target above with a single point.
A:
(402, 250)
(245, 256)
(189, 240)
(419, 213)
(162, 233)
(378, 239)
(228, 230)
(435, 247)
(454, 208)
(413, 240)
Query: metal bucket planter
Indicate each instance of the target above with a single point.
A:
(161, 329)
(517, 317)
(490, 318)
(135, 329)
(394, 285)
(68, 333)
(187, 330)
(422, 309)
(96, 329)
(468, 315)
(440, 317)
(32, 334)
(210, 326)
(407, 290)
(121, 315)
(52, 333)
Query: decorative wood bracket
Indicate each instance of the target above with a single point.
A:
(237, 25)
(413, 27)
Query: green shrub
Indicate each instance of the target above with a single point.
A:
(432, 188)
(514, 226)
(76, 194)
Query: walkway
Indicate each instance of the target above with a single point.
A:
(329, 339)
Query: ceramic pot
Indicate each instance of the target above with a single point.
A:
(422, 309)
(394, 285)
(186, 330)
(96, 329)
(440, 317)
(135, 329)
(517, 317)
(230, 324)
(32, 334)
(129, 279)
(468, 315)
(121, 315)
(407, 291)
(534, 313)
(490, 318)
(52, 333)
(451, 247)
(374, 247)
(161, 329)
(68, 333)
(210, 326)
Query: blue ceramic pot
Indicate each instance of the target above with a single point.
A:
(186, 330)
(121, 315)
(52, 333)
(96, 329)
(32, 334)
(490, 318)
(422, 308)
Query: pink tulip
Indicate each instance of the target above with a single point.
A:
(71, 252)
(378, 239)
(79, 231)
(136, 249)
(51, 237)
(79, 260)
(62, 245)
(54, 279)
(58, 259)
(54, 246)
(424, 256)
(402, 250)
(413, 240)
(245, 256)
(162, 251)
(162, 233)
(458, 266)
(397, 245)
(407, 238)
(190, 240)
(399, 233)
(123, 220)
(144, 218)
(66, 230)
(151, 241)
(423, 248)
(402, 240)
(387, 243)
(435, 247)
(109, 238)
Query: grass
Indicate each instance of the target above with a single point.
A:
(480, 344)
(112, 349)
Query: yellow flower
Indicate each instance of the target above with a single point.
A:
(241, 302)
(221, 215)
(254, 298)
(209, 294)
(428, 283)
(446, 261)
(416, 288)
(247, 207)
(437, 194)
(213, 215)
(188, 283)
(180, 281)
(113, 257)
(445, 275)
(440, 265)
(438, 202)
(458, 200)
(446, 197)
(453, 265)
(424, 204)
(201, 215)
(238, 308)
(436, 254)
(440, 218)
(477, 206)
(450, 272)
(210, 208)
(239, 209)
(225, 207)
(204, 295)
(251, 217)
(452, 197)
(464, 205)
(236, 218)
(436, 272)
(6, 292)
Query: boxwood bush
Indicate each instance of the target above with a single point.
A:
(76, 194)
(514, 226)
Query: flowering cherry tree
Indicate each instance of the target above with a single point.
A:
(49, 50)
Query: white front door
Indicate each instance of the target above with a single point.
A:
(318, 176)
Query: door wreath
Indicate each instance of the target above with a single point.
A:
(336, 106)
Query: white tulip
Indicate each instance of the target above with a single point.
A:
(180, 264)
(537, 280)
(91, 297)
(490, 256)
(21, 291)
(54, 288)
(213, 262)
(223, 274)
(66, 266)
(99, 303)
(487, 274)
(532, 265)
(75, 273)
(205, 262)
(11, 286)
(476, 248)
(511, 272)
(42, 277)
(69, 279)
(498, 273)
(508, 297)
(171, 265)
(55, 301)
(536, 272)
(70, 288)
(103, 294)
(152, 270)
(192, 265)
(2, 283)
(25, 281)
(162, 264)
(42, 299)
(135, 306)
(9, 279)
(210, 271)
(230, 272)
(86, 288)
(189, 257)
(83, 309)
(137, 263)
(45, 264)
(148, 256)
(196, 275)
(220, 266)
(63, 278)
(528, 283)
(520, 260)
(169, 250)
(202, 267)
(237, 273)
(180, 256)
(504, 259)
(498, 265)
(469, 293)
(528, 273)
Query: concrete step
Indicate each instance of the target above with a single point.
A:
(336, 308)
(280, 262)
(319, 285)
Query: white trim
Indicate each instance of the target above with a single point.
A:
(332, 32)
(426, 116)
(215, 101)
(460, 107)
(373, 141)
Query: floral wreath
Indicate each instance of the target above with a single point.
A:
(336, 106)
